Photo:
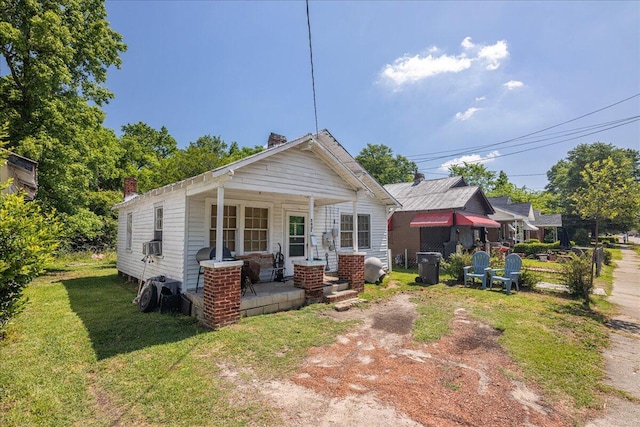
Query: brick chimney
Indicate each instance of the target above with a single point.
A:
(275, 140)
(130, 187)
(418, 178)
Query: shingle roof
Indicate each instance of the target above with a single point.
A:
(504, 203)
(552, 220)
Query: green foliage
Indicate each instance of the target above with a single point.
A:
(379, 161)
(549, 238)
(528, 278)
(28, 240)
(475, 174)
(534, 248)
(608, 256)
(454, 266)
(577, 276)
(581, 237)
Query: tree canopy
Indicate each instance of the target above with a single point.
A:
(386, 168)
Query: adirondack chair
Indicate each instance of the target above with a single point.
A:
(512, 264)
(480, 268)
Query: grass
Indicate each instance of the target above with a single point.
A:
(82, 354)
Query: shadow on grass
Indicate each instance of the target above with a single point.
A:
(114, 324)
(578, 309)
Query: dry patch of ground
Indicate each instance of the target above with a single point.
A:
(377, 376)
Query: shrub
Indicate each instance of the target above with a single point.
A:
(28, 240)
(581, 237)
(528, 279)
(454, 266)
(531, 249)
(534, 241)
(576, 275)
(607, 257)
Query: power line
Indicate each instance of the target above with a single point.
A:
(313, 80)
(493, 145)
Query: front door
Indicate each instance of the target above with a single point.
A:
(296, 243)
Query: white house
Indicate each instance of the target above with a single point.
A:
(307, 196)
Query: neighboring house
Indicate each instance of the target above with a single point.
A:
(23, 173)
(437, 215)
(308, 197)
(516, 220)
(547, 224)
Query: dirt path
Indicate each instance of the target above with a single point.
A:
(623, 356)
(375, 376)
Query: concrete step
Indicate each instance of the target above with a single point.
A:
(347, 304)
(330, 288)
(339, 296)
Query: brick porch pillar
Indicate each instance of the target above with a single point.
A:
(309, 275)
(221, 293)
(351, 269)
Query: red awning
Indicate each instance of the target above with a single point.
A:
(475, 220)
(432, 219)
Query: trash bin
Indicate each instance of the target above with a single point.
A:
(428, 267)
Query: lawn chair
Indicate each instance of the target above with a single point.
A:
(480, 268)
(512, 265)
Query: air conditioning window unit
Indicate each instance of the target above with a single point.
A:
(153, 247)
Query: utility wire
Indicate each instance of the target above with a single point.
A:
(538, 131)
(313, 80)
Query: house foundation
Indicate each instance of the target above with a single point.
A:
(221, 293)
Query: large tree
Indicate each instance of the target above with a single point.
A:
(566, 178)
(57, 54)
(475, 174)
(610, 190)
(380, 162)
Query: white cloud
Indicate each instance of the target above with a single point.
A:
(407, 69)
(513, 84)
(480, 98)
(470, 159)
(410, 69)
(467, 114)
(494, 54)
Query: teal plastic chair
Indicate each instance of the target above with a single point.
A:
(512, 265)
(479, 268)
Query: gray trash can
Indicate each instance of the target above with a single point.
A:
(428, 267)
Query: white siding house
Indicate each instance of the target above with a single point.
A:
(299, 196)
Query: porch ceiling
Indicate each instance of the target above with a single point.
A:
(272, 195)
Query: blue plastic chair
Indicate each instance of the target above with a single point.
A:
(480, 268)
(512, 265)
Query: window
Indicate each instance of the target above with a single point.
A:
(129, 231)
(256, 227)
(346, 231)
(158, 223)
(229, 226)
(364, 231)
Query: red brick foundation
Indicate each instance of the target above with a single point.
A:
(309, 275)
(351, 269)
(221, 293)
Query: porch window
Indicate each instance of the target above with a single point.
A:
(158, 223)
(229, 226)
(129, 231)
(364, 231)
(256, 227)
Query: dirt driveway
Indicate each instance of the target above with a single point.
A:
(376, 376)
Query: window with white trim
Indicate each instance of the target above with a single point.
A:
(129, 231)
(158, 222)
(229, 226)
(256, 229)
(364, 231)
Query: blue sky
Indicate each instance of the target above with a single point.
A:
(435, 81)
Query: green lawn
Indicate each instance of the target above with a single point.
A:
(81, 354)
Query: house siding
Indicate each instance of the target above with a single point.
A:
(403, 236)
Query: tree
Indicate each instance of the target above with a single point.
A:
(379, 161)
(475, 174)
(565, 179)
(610, 191)
(57, 55)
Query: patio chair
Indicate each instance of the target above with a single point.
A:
(480, 268)
(512, 265)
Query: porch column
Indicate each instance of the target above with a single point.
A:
(309, 275)
(355, 224)
(221, 297)
(351, 269)
(310, 248)
(219, 225)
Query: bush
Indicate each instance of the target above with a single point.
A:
(455, 265)
(528, 279)
(581, 237)
(531, 249)
(608, 256)
(576, 276)
(28, 240)
(533, 241)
